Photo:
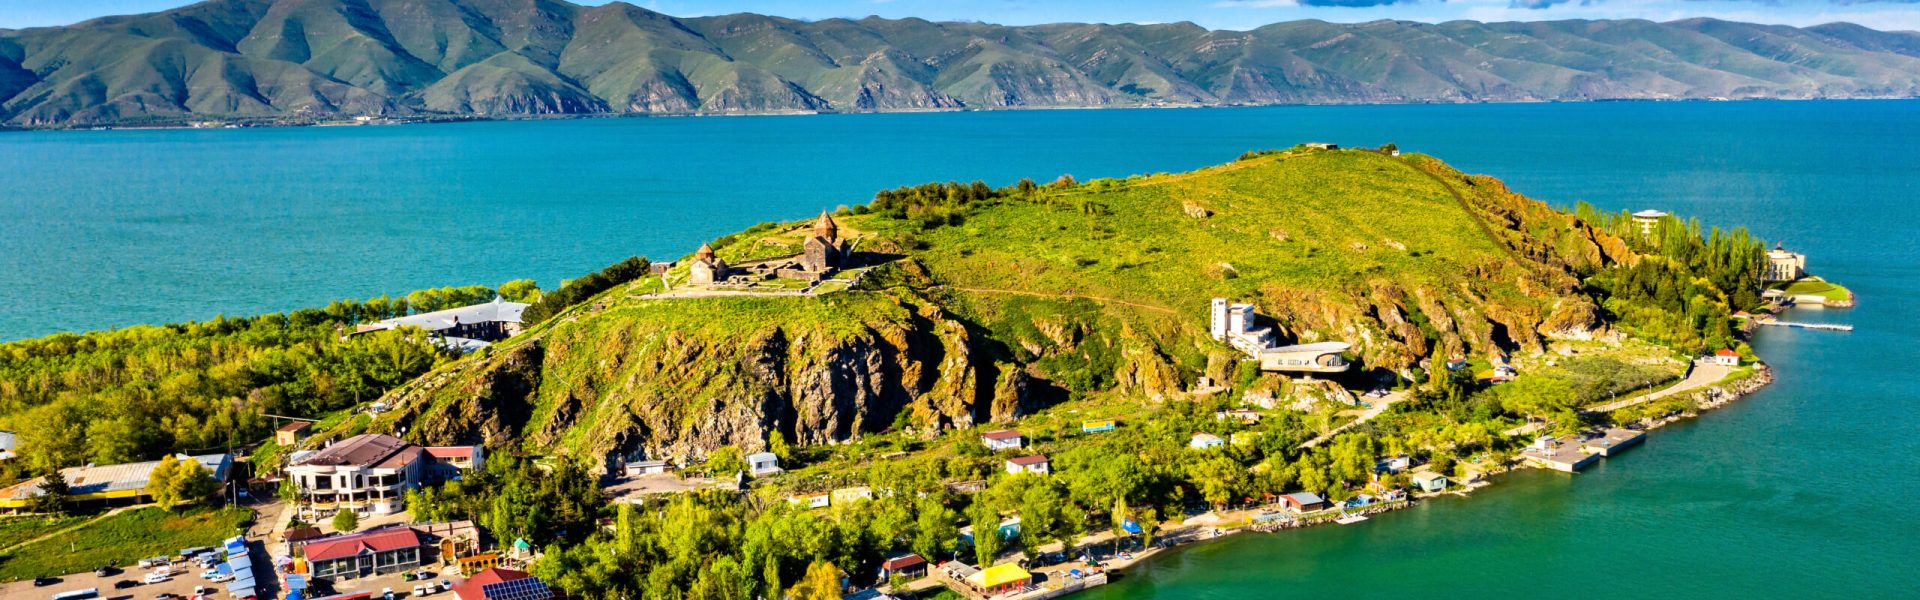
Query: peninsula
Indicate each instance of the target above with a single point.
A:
(264, 62)
(1000, 391)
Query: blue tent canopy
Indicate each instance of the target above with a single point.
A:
(1129, 526)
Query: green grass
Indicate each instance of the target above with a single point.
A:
(126, 537)
(20, 529)
(1815, 287)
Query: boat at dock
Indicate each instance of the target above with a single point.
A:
(1350, 519)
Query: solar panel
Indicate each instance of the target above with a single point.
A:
(518, 589)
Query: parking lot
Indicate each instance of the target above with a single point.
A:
(186, 576)
(402, 588)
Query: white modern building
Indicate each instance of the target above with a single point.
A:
(1234, 324)
(1784, 265)
(368, 474)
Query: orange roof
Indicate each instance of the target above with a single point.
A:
(1726, 352)
(1025, 461)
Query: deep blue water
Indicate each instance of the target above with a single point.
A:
(1801, 490)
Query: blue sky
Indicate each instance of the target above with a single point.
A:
(1218, 14)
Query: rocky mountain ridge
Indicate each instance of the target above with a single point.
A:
(310, 60)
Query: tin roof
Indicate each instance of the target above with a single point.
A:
(127, 477)
(1025, 461)
(1004, 434)
(495, 311)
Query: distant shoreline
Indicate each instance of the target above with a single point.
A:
(208, 122)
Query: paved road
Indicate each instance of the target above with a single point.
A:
(1379, 406)
(1703, 375)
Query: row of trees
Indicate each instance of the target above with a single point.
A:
(575, 291)
(142, 392)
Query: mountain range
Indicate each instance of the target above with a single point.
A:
(299, 60)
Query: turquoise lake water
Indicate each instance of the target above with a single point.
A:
(1802, 490)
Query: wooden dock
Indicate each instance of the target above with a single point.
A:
(1822, 326)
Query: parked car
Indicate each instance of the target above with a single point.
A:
(106, 571)
(39, 581)
(124, 584)
(167, 597)
(148, 563)
(221, 577)
(386, 593)
(156, 576)
(201, 590)
(446, 585)
(422, 590)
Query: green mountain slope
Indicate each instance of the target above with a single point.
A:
(310, 59)
(1014, 302)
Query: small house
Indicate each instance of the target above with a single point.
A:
(1304, 502)
(1727, 358)
(848, 495)
(1098, 425)
(1429, 481)
(1037, 464)
(1392, 464)
(291, 433)
(648, 467)
(910, 566)
(1205, 441)
(1241, 414)
(1005, 439)
(763, 463)
(813, 500)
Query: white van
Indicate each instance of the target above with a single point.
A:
(157, 576)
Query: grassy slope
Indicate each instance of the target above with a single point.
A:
(126, 537)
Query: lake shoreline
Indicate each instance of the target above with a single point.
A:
(267, 122)
(1707, 399)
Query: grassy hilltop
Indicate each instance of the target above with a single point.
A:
(996, 307)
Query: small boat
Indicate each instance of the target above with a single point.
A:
(1350, 519)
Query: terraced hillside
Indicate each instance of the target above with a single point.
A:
(990, 309)
(305, 60)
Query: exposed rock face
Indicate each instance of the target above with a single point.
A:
(667, 389)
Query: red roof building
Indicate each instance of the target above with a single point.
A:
(387, 550)
(494, 583)
(910, 566)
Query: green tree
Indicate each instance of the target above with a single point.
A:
(190, 483)
(934, 531)
(53, 494)
(822, 582)
(520, 290)
(725, 460)
(160, 483)
(346, 521)
(1149, 524)
(986, 533)
(777, 444)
